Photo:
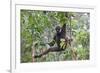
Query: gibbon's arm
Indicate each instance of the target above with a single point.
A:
(63, 30)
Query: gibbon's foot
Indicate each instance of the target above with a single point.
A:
(37, 56)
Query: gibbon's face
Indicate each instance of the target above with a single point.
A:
(58, 29)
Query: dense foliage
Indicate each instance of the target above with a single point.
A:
(38, 28)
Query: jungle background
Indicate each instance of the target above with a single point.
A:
(38, 28)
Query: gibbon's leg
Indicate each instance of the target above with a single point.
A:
(51, 49)
(45, 52)
(55, 49)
